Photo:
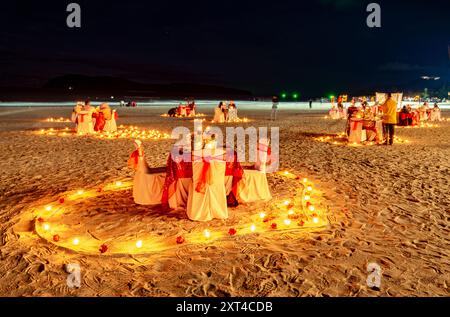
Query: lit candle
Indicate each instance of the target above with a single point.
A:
(76, 241)
(139, 244)
(118, 183)
(46, 226)
(262, 215)
(252, 228)
(48, 208)
(287, 222)
(311, 208)
(80, 192)
(307, 197)
(207, 234)
(316, 220)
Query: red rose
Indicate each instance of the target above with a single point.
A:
(180, 240)
(40, 219)
(56, 238)
(232, 232)
(61, 200)
(290, 206)
(308, 204)
(99, 190)
(103, 248)
(301, 223)
(274, 226)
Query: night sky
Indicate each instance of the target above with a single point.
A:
(312, 47)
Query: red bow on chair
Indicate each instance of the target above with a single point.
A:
(205, 177)
(355, 125)
(82, 117)
(265, 148)
(134, 160)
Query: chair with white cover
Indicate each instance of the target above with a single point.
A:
(435, 114)
(356, 132)
(85, 123)
(262, 155)
(147, 184)
(219, 117)
(207, 194)
(111, 125)
(253, 187)
(180, 172)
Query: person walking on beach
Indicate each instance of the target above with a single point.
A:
(310, 103)
(389, 119)
(273, 115)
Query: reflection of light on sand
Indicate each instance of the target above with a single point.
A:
(198, 115)
(298, 210)
(57, 120)
(123, 132)
(341, 139)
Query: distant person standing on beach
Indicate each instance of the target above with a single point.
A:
(310, 103)
(273, 115)
(389, 119)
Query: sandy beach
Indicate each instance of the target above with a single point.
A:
(386, 205)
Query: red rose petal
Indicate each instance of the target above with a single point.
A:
(103, 248)
(232, 232)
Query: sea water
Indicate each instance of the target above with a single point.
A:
(243, 105)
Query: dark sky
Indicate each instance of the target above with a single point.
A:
(313, 47)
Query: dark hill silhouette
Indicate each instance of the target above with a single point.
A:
(80, 84)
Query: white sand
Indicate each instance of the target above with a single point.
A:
(389, 205)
